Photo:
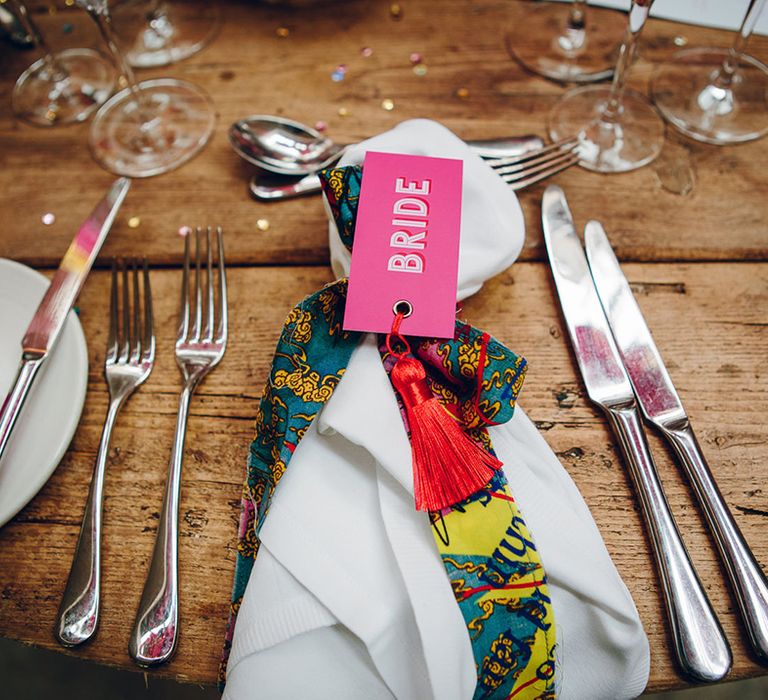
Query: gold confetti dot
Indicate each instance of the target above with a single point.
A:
(395, 10)
(343, 112)
(282, 32)
(134, 222)
(680, 40)
(387, 104)
(462, 93)
(262, 224)
(52, 10)
(51, 115)
(69, 3)
(122, 82)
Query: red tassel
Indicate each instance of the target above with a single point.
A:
(448, 467)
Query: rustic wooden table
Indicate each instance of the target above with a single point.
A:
(698, 263)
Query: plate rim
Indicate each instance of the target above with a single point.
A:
(78, 400)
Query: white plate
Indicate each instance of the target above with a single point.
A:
(52, 410)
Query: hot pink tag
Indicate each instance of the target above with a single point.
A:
(406, 245)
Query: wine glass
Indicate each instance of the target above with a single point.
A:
(59, 88)
(150, 127)
(578, 45)
(713, 95)
(618, 129)
(159, 32)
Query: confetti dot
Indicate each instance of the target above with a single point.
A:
(69, 3)
(51, 115)
(282, 32)
(680, 40)
(122, 82)
(321, 126)
(49, 218)
(415, 57)
(395, 10)
(339, 73)
(366, 51)
(134, 222)
(462, 93)
(67, 28)
(184, 231)
(262, 224)
(52, 10)
(343, 112)
(420, 69)
(387, 104)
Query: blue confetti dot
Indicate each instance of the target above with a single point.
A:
(67, 28)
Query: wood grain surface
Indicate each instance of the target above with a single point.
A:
(709, 320)
(697, 264)
(248, 69)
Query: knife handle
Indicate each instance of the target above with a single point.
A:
(746, 576)
(13, 403)
(700, 645)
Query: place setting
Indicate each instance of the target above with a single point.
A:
(471, 495)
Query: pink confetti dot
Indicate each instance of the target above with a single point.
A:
(366, 51)
(321, 126)
(184, 231)
(416, 58)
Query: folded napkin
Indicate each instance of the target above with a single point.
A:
(348, 596)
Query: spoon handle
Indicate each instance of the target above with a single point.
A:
(309, 184)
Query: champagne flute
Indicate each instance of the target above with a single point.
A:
(578, 45)
(149, 127)
(718, 96)
(159, 32)
(618, 129)
(59, 88)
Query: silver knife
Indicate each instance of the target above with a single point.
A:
(700, 645)
(662, 407)
(46, 324)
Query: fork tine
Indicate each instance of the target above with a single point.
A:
(148, 339)
(184, 310)
(111, 355)
(544, 166)
(221, 330)
(532, 178)
(136, 335)
(538, 159)
(531, 155)
(194, 332)
(208, 334)
(125, 336)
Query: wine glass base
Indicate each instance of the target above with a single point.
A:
(628, 142)
(538, 40)
(43, 98)
(156, 33)
(171, 125)
(684, 94)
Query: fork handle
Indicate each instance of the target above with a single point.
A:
(155, 632)
(746, 577)
(79, 610)
(700, 645)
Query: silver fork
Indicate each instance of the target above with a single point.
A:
(532, 167)
(129, 360)
(517, 171)
(200, 346)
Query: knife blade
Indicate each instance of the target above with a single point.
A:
(661, 405)
(699, 643)
(48, 321)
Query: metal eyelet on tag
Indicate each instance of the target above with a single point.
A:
(403, 307)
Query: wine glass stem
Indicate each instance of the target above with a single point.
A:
(52, 66)
(724, 76)
(104, 22)
(638, 14)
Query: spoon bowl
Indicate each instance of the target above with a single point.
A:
(282, 146)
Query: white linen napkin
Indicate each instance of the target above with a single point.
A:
(348, 598)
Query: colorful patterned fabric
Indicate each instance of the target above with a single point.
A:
(488, 553)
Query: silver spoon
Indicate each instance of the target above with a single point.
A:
(287, 147)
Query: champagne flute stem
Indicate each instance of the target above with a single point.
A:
(104, 22)
(638, 14)
(56, 70)
(577, 15)
(730, 65)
